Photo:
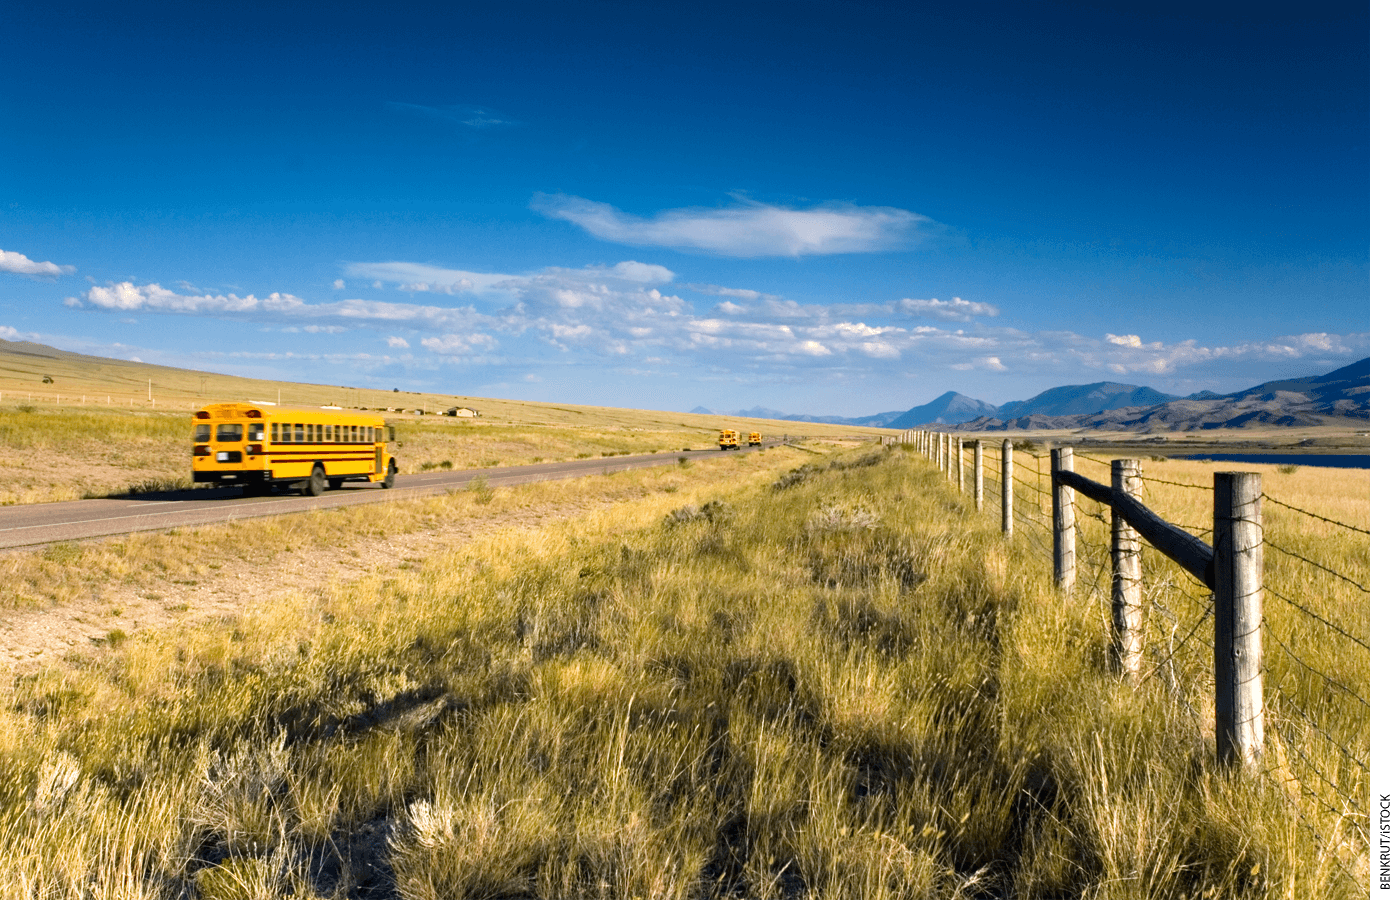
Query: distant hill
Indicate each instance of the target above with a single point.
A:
(1337, 397)
(1076, 399)
(950, 409)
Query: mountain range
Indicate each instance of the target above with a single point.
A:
(1344, 394)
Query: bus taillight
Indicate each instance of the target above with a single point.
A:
(253, 449)
(201, 450)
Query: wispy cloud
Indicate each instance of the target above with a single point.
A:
(419, 277)
(624, 311)
(128, 297)
(478, 118)
(1126, 354)
(749, 230)
(19, 264)
(954, 310)
(460, 344)
(716, 290)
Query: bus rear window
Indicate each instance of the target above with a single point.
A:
(201, 434)
(230, 433)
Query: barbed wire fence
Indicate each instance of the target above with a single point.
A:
(1313, 637)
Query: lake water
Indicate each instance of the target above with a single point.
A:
(1329, 460)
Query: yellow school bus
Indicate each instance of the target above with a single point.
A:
(755, 439)
(311, 449)
(728, 439)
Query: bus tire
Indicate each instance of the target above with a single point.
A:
(388, 481)
(316, 483)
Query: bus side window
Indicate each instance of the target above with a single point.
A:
(286, 432)
(299, 431)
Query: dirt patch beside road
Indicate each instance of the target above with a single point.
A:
(110, 613)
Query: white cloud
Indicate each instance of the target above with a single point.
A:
(990, 363)
(19, 264)
(750, 230)
(459, 344)
(955, 310)
(737, 293)
(623, 310)
(338, 284)
(129, 297)
(420, 277)
(8, 333)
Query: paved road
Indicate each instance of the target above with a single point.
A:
(47, 523)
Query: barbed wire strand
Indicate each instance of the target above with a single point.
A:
(1321, 842)
(1287, 698)
(1327, 678)
(1172, 653)
(1318, 565)
(1196, 528)
(1315, 515)
(1334, 626)
(1350, 818)
(1197, 487)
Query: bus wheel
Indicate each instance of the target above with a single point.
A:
(388, 481)
(316, 483)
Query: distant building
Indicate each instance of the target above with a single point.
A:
(465, 412)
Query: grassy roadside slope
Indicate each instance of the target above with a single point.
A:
(846, 686)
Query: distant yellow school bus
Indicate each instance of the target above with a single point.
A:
(729, 439)
(755, 439)
(261, 446)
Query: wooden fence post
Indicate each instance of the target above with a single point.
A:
(938, 452)
(1062, 515)
(960, 465)
(1127, 575)
(1006, 473)
(977, 475)
(1239, 614)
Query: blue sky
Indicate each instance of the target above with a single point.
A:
(816, 207)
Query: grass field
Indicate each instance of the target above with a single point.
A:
(66, 453)
(834, 680)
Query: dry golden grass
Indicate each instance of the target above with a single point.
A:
(849, 686)
(92, 432)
